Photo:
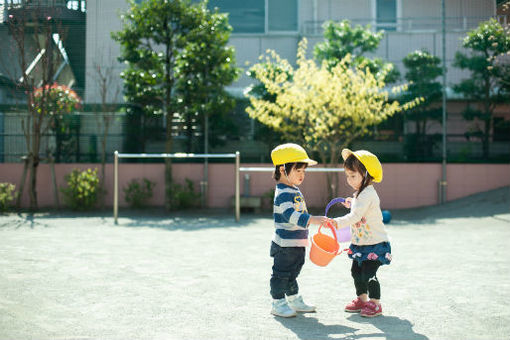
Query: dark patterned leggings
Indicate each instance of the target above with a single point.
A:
(365, 279)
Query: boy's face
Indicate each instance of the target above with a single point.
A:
(354, 179)
(295, 177)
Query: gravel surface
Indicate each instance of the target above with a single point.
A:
(204, 276)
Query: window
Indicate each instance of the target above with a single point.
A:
(245, 16)
(386, 14)
(282, 15)
(249, 16)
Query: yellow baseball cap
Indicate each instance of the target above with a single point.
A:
(369, 160)
(290, 153)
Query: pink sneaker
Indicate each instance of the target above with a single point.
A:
(355, 306)
(371, 309)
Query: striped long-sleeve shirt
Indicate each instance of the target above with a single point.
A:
(290, 217)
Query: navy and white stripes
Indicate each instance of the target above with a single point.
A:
(290, 217)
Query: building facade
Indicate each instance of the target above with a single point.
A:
(259, 25)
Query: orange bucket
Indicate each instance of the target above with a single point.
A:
(324, 248)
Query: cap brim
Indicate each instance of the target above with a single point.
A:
(309, 161)
(346, 153)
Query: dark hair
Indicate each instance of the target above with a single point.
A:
(354, 164)
(288, 168)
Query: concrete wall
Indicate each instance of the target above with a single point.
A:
(404, 185)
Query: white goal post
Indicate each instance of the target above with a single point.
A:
(238, 170)
(117, 155)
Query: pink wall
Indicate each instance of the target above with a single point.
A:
(405, 185)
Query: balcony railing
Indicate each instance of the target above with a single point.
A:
(34, 3)
(410, 24)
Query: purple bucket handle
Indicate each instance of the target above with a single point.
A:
(343, 234)
(333, 202)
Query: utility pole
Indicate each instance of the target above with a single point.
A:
(443, 183)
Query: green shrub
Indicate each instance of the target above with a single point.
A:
(138, 192)
(184, 196)
(82, 189)
(7, 195)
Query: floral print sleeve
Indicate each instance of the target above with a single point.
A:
(359, 207)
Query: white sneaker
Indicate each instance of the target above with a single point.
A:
(296, 303)
(281, 308)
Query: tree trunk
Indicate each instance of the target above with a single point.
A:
(189, 132)
(168, 163)
(485, 139)
(32, 192)
(34, 161)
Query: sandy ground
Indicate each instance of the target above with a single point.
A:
(187, 276)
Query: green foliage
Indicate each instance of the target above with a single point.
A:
(55, 100)
(184, 196)
(487, 43)
(488, 83)
(7, 195)
(324, 108)
(258, 89)
(59, 101)
(138, 192)
(151, 72)
(341, 39)
(193, 56)
(206, 65)
(423, 69)
(82, 189)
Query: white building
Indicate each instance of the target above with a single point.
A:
(280, 24)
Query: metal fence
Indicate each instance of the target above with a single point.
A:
(80, 137)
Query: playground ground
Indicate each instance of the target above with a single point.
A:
(193, 276)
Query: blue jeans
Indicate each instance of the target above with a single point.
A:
(288, 262)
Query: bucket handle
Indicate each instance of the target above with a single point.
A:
(327, 225)
(330, 204)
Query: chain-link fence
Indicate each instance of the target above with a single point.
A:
(81, 137)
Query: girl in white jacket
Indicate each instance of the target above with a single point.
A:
(370, 247)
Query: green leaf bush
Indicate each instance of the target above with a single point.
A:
(82, 191)
(184, 196)
(7, 195)
(138, 192)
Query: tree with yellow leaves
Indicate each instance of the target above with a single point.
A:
(321, 107)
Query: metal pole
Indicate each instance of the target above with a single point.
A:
(237, 193)
(206, 163)
(115, 186)
(443, 182)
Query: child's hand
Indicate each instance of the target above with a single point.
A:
(318, 220)
(347, 202)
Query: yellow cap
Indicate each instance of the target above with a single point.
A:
(369, 160)
(290, 153)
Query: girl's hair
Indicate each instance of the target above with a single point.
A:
(288, 169)
(354, 164)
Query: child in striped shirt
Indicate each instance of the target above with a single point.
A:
(291, 229)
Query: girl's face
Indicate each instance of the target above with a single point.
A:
(354, 179)
(294, 178)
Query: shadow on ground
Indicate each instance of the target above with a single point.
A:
(146, 218)
(306, 326)
(495, 203)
